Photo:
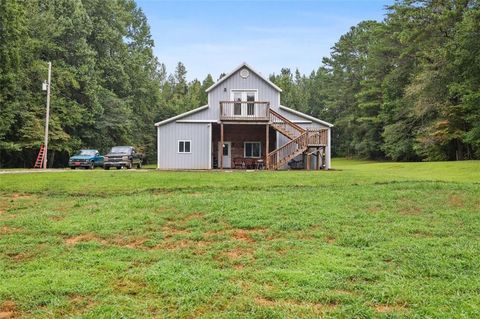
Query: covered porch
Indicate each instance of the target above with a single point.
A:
(245, 146)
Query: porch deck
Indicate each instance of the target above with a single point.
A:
(251, 111)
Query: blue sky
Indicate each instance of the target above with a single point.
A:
(214, 36)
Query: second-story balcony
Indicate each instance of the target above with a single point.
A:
(244, 111)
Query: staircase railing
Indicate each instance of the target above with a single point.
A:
(300, 140)
(285, 126)
(318, 137)
(288, 151)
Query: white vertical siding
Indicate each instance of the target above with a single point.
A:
(168, 137)
(328, 155)
(266, 93)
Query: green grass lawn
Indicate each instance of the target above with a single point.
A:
(381, 240)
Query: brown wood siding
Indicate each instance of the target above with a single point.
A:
(240, 133)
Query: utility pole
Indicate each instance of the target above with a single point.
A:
(47, 115)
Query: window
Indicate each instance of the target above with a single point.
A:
(250, 106)
(184, 146)
(253, 149)
(226, 150)
(244, 102)
(237, 107)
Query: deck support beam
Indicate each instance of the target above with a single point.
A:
(308, 159)
(221, 146)
(319, 158)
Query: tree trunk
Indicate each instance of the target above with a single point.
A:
(459, 151)
(52, 158)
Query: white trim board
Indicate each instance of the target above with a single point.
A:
(314, 119)
(302, 122)
(196, 121)
(198, 109)
(244, 64)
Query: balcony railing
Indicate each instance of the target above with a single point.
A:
(244, 111)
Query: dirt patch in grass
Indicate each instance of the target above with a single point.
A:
(129, 286)
(178, 227)
(237, 253)
(8, 310)
(57, 218)
(195, 194)
(242, 235)
(129, 242)
(5, 230)
(176, 244)
(265, 302)
(16, 196)
(386, 308)
(84, 238)
(330, 239)
(238, 234)
(455, 201)
(77, 304)
(198, 247)
(171, 230)
(312, 306)
(26, 255)
(422, 233)
(118, 241)
(408, 207)
(374, 208)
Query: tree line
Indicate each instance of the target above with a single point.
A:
(406, 88)
(108, 88)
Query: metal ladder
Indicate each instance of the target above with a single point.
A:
(40, 157)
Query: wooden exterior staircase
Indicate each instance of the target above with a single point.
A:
(300, 140)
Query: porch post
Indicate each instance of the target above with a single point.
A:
(319, 157)
(308, 159)
(221, 146)
(328, 150)
(267, 145)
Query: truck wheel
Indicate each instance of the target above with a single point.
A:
(119, 167)
(92, 165)
(73, 167)
(129, 165)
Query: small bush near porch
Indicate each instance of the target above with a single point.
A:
(367, 240)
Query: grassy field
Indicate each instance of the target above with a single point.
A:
(367, 240)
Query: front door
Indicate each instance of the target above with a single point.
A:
(227, 154)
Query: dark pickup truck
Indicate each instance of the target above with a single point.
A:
(122, 156)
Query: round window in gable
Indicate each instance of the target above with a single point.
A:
(244, 73)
